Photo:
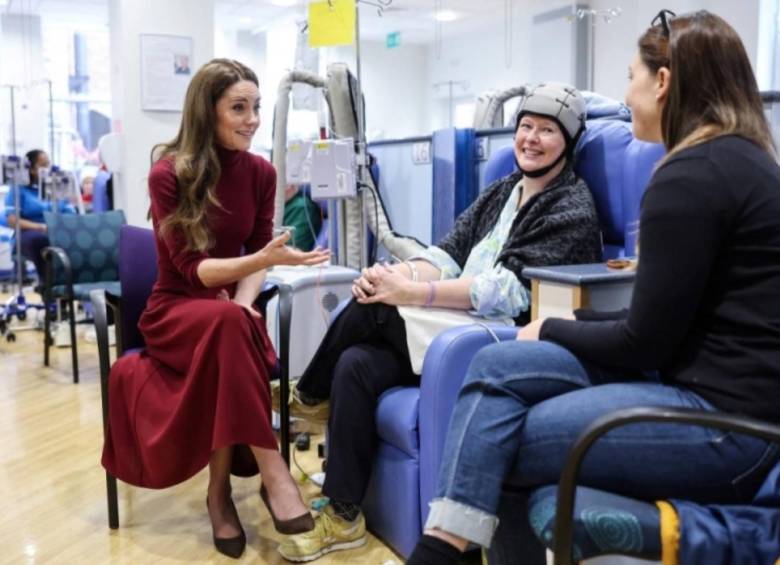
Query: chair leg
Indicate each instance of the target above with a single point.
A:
(46, 334)
(113, 503)
(73, 350)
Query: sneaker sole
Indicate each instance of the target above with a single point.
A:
(276, 392)
(335, 547)
(316, 414)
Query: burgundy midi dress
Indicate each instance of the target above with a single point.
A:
(202, 381)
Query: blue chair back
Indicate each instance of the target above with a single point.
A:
(90, 242)
(501, 163)
(617, 168)
(100, 199)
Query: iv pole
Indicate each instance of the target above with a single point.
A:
(362, 157)
(11, 89)
(51, 120)
(380, 6)
(17, 201)
(361, 141)
(16, 306)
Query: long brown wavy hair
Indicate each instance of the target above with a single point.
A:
(194, 154)
(712, 89)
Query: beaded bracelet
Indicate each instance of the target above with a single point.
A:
(413, 269)
(431, 294)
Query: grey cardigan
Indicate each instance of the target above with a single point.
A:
(558, 226)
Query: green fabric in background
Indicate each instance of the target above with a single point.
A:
(302, 213)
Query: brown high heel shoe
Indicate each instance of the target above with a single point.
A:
(232, 547)
(297, 525)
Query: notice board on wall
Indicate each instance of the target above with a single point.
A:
(166, 69)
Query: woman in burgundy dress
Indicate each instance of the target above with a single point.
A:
(199, 394)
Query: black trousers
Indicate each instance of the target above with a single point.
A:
(32, 243)
(362, 355)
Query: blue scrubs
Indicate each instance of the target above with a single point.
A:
(32, 209)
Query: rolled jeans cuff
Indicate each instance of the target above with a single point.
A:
(462, 520)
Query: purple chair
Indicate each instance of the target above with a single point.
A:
(137, 275)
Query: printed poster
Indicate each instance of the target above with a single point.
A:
(166, 69)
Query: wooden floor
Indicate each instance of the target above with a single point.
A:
(52, 487)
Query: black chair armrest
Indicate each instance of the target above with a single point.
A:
(285, 324)
(567, 485)
(50, 255)
(101, 302)
(268, 291)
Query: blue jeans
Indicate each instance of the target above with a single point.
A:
(523, 404)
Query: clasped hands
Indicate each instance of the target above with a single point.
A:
(382, 283)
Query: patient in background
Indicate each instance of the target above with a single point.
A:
(301, 212)
(87, 189)
(30, 216)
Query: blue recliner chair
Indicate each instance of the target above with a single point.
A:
(412, 422)
(101, 200)
(617, 188)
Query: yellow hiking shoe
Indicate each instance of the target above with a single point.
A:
(317, 413)
(330, 533)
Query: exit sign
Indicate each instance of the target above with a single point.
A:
(393, 40)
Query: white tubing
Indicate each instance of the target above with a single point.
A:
(353, 213)
(489, 111)
(368, 207)
(281, 111)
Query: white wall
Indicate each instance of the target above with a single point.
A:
(768, 60)
(406, 88)
(250, 49)
(140, 129)
(21, 65)
(615, 42)
(481, 58)
(475, 63)
(391, 79)
(279, 59)
(394, 85)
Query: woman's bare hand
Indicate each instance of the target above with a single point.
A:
(530, 331)
(223, 295)
(278, 253)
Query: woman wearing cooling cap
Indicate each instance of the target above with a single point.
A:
(540, 215)
(702, 332)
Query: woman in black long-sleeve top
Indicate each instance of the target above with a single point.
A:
(702, 330)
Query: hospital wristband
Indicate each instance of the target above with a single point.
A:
(431, 294)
